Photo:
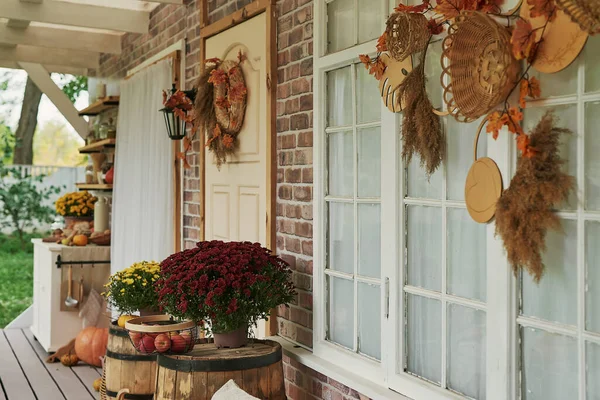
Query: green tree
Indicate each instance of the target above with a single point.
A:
(23, 200)
(55, 145)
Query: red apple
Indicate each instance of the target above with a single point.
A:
(187, 335)
(178, 344)
(162, 343)
(147, 344)
(135, 337)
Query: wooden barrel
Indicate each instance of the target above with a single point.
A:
(126, 369)
(256, 368)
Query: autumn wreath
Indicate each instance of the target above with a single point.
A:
(221, 104)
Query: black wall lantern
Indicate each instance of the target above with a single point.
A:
(176, 125)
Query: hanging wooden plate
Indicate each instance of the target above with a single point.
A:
(483, 187)
(563, 41)
(394, 75)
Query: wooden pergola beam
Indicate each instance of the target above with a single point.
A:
(41, 77)
(61, 69)
(75, 14)
(40, 55)
(42, 36)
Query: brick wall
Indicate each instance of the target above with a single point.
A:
(218, 9)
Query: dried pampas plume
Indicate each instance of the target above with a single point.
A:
(421, 128)
(205, 108)
(526, 209)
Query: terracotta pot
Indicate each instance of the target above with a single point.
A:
(70, 221)
(233, 339)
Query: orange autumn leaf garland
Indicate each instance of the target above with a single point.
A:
(182, 107)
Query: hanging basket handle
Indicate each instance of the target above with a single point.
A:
(481, 125)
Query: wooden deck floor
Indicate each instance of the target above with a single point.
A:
(24, 374)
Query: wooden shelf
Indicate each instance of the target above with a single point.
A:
(94, 186)
(101, 105)
(98, 147)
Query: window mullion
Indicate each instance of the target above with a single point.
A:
(581, 228)
(355, 196)
(444, 349)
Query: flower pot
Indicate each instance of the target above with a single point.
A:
(70, 221)
(233, 339)
(147, 312)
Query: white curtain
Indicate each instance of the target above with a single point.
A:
(142, 210)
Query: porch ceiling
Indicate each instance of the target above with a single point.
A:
(76, 31)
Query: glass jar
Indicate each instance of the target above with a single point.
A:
(89, 174)
(103, 131)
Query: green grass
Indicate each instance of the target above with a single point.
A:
(16, 276)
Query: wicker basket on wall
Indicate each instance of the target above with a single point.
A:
(406, 34)
(585, 13)
(478, 68)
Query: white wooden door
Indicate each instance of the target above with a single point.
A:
(236, 203)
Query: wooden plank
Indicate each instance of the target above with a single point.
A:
(101, 105)
(42, 383)
(13, 379)
(42, 80)
(42, 36)
(264, 387)
(65, 378)
(41, 55)
(98, 147)
(61, 69)
(94, 186)
(77, 14)
(177, 167)
(202, 138)
(215, 381)
(251, 10)
(87, 375)
(199, 384)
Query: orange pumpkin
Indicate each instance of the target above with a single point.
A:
(90, 345)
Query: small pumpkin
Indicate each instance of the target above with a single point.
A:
(69, 360)
(97, 383)
(90, 345)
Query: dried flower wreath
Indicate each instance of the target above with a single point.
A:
(221, 105)
(525, 211)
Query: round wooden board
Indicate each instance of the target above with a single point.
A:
(563, 41)
(483, 188)
(394, 75)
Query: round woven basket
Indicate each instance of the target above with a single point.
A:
(585, 13)
(230, 121)
(478, 68)
(406, 34)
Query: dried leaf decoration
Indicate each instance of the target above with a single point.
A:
(522, 39)
(542, 8)
(525, 211)
(413, 9)
(435, 27)
(382, 42)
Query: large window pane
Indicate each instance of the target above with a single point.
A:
(341, 237)
(368, 97)
(433, 71)
(369, 20)
(592, 156)
(339, 97)
(561, 83)
(592, 295)
(591, 54)
(341, 164)
(340, 25)
(466, 351)
(424, 247)
(549, 366)
(421, 186)
(460, 157)
(341, 311)
(424, 337)
(466, 252)
(369, 320)
(369, 162)
(593, 371)
(555, 297)
(567, 118)
(369, 240)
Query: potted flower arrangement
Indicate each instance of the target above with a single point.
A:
(229, 285)
(76, 207)
(132, 289)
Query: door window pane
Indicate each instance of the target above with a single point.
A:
(369, 20)
(567, 118)
(340, 25)
(341, 237)
(549, 366)
(592, 295)
(339, 97)
(593, 371)
(368, 97)
(369, 240)
(591, 53)
(592, 156)
(561, 83)
(421, 186)
(424, 337)
(341, 311)
(341, 164)
(555, 297)
(369, 320)
(424, 247)
(466, 252)
(466, 351)
(369, 162)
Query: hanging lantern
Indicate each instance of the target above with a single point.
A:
(178, 105)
